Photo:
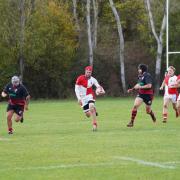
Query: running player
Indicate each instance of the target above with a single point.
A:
(145, 93)
(85, 94)
(18, 101)
(171, 93)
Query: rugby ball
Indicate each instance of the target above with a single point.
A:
(100, 91)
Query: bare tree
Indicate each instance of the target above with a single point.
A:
(121, 45)
(95, 24)
(88, 17)
(22, 28)
(75, 15)
(32, 6)
(159, 40)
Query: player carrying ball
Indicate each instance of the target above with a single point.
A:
(86, 95)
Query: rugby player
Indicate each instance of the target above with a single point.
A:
(145, 93)
(18, 101)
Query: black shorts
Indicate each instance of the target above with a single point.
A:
(18, 109)
(147, 98)
(86, 107)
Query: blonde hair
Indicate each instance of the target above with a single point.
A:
(172, 67)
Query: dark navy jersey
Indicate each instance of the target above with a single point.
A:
(145, 79)
(17, 94)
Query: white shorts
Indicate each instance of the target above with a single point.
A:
(178, 99)
(171, 97)
(85, 102)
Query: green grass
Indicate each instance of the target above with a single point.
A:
(56, 142)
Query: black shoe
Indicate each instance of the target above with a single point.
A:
(22, 119)
(164, 121)
(130, 124)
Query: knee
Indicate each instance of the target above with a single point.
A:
(148, 110)
(165, 106)
(91, 107)
(88, 114)
(135, 108)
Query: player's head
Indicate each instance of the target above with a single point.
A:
(171, 70)
(15, 80)
(142, 68)
(88, 71)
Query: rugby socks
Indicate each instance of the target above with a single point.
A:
(10, 130)
(165, 117)
(177, 114)
(133, 114)
(152, 116)
(94, 125)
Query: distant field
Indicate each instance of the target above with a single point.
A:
(56, 142)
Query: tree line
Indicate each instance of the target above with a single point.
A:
(49, 42)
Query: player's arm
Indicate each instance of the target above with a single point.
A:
(134, 88)
(95, 83)
(5, 91)
(162, 85)
(27, 97)
(3, 94)
(147, 86)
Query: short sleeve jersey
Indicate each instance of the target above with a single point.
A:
(145, 79)
(86, 85)
(170, 80)
(17, 95)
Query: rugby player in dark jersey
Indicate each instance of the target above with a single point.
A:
(145, 94)
(18, 101)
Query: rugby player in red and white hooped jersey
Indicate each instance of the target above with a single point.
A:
(85, 94)
(171, 93)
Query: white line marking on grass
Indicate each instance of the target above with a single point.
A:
(147, 163)
(172, 162)
(5, 139)
(61, 166)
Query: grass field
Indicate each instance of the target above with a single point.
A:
(56, 142)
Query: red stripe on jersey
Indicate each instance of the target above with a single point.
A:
(146, 91)
(17, 102)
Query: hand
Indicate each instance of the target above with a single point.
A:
(3, 94)
(80, 102)
(130, 90)
(161, 88)
(137, 86)
(26, 107)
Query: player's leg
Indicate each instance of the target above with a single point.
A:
(19, 113)
(86, 110)
(150, 112)
(165, 109)
(138, 101)
(93, 115)
(178, 105)
(10, 113)
(174, 102)
(148, 98)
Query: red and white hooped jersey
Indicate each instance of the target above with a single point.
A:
(170, 80)
(84, 86)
